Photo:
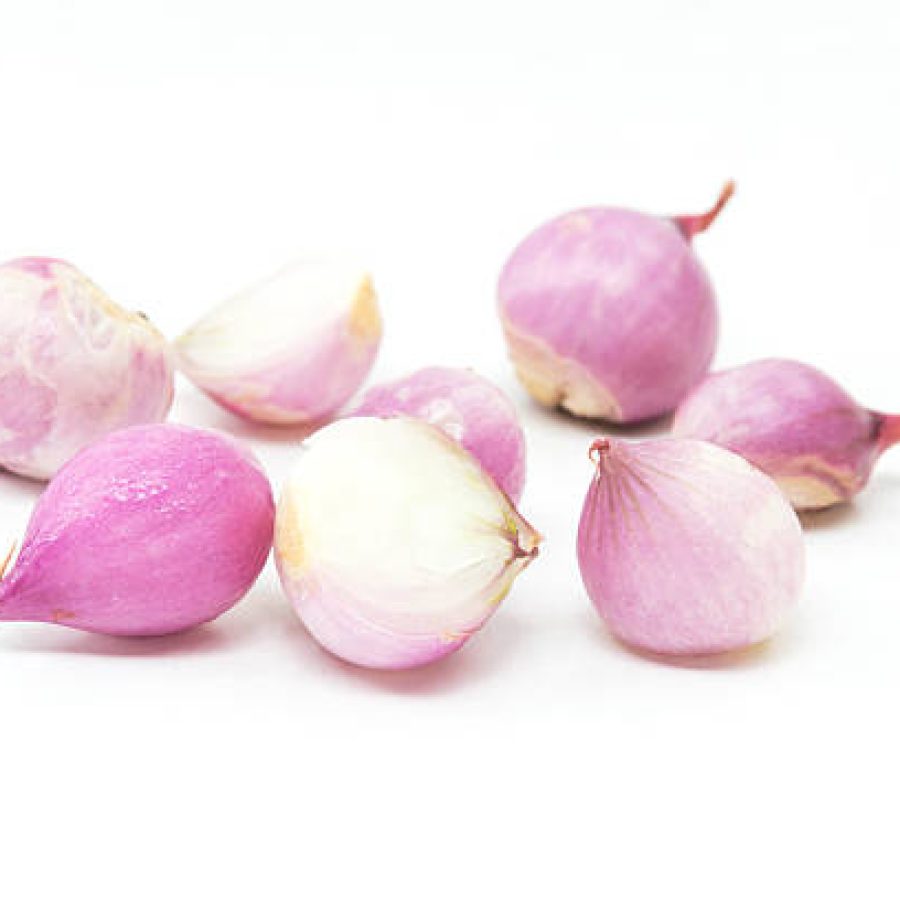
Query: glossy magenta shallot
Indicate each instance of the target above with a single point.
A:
(609, 313)
(685, 548)
(793, 422)
(151, 530)
(465, 406)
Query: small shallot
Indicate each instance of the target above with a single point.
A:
(393, 544)
(685, 548)
(469, 408)
(793, 422)
(609, 313)
(149, 531)
(74, 366)
(290, 350)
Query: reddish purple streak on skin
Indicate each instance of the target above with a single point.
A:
(42, 266)
(684, 548)
(609, 313)
(467, 407)
(795, 423)
(152, 530)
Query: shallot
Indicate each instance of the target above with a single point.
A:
(685, 548)
(393, 544)
(291, 349)
(151, 530)
(609, 313)
(468, 408)
(74, 366)
(793, 422)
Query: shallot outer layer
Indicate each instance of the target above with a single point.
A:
(291, 349)
(393, 544)
(793, 422)
(151, 530)
(468, 408)
(74, 366)
(609, 313)
(685, 548)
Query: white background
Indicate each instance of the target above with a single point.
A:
(179, 149)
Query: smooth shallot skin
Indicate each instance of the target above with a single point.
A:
(609, 313)
(291, 349)
(465, 406)
(685, 548)
(149, 531)
(73, 366)
(795, 423)
(393, 544)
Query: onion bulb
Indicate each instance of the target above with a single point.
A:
(793, 422)
(74, 366)
(685, 548)
(149, 531)
(291, 349)
(393, 544)
(608, 313)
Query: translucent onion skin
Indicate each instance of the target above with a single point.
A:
(609, 314)
(793, 422)
(73, 366)
(152, 530)
(290, 350)
(393, 544)
(468, 408)
(685, 548)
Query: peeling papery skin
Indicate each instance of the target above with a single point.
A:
(793, 422)
(685, 548)
(150, 531)
(73, 366)
(465, 406)
(393, 544)
(291, 349)
(609, 314)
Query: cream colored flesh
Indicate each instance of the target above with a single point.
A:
(554, 381)
(403, 522)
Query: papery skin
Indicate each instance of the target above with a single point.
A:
(298, 371)
(609, 314)
(73, 366)
(149, 531)
(468, 408)
(384, 594)
(685, 548)
(793, 422)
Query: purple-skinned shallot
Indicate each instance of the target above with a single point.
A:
(608, 313)
(795, 423)
(293, 348)
(151, 530)
(685, 548)
(393, 544)
(74, 366)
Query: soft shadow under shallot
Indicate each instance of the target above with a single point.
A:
(486, 652)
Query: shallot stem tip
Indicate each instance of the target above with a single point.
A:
(598, 450)
(694, 225)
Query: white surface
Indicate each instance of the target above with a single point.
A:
(177, 151)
